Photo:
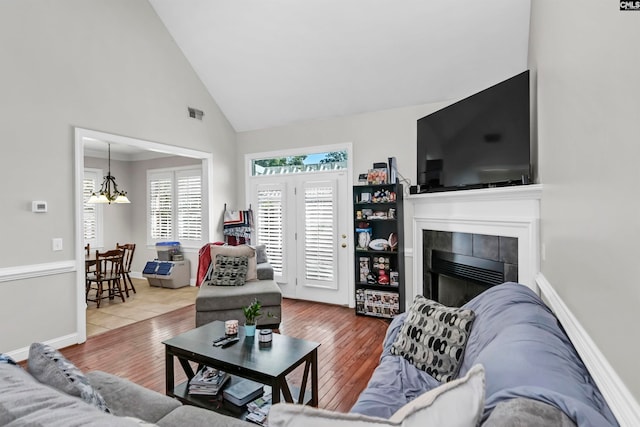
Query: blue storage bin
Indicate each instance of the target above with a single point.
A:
(166, 250)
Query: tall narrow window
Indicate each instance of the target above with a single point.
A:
(319, 239)
(91, 213)
(189, 206)
(270, 218)
(175, 206)
(161, 206)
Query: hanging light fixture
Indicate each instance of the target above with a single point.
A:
(109, 192)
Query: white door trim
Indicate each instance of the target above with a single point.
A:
(345, 146)
(82, 134)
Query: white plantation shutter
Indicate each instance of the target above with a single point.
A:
(161, 206)
(270, 223)
(189, 206)
(319, 238)
(89, 211)
(175, 206)
(91, 218)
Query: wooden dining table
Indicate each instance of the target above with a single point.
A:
(90, 258)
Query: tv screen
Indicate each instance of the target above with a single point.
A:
(480, 141)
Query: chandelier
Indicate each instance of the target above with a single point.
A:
(109, 192)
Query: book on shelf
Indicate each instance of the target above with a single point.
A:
(259, 409)
(242, 391)
(208, 381)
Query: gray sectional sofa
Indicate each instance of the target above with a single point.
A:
(534, 376)
(25, 401)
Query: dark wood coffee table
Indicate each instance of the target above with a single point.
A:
(266, 364)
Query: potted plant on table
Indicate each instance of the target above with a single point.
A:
(251, 314)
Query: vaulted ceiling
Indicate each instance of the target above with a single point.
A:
(270, 63)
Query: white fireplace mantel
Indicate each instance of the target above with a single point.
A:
(504, 211)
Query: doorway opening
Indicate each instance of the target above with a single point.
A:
(302, 208)
(85, 140)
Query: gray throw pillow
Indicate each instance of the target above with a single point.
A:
(230, 270)
(433, 337)
(50, 367)
(261, 254)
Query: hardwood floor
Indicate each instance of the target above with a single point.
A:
(348, 354)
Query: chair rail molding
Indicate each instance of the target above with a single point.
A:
(620, 400)
(9, 274)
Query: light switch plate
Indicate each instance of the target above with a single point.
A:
(39, 206)
(56, 244)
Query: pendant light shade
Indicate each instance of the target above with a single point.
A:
(109, 192)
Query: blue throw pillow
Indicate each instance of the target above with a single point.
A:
(5, 358)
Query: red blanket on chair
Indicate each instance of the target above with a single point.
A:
(204, 261)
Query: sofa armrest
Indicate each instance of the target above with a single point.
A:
(523, 411)
(264, 271)
(125, 398)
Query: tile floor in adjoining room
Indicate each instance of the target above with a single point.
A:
(149, 301)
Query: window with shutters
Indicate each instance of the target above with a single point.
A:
(269, 215)
(175, 206)
(319, 239)
(189, 194)
(91, 213)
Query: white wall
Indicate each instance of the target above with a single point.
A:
(106, 65)
(586, 60)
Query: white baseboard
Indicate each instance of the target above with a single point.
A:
(60, 342)
(620, 400)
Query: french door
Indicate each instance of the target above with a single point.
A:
(302, 220)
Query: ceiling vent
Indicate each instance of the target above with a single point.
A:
(195, 113)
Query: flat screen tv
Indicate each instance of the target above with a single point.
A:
(480, 141)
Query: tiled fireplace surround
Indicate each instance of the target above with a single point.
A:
(459, 273)
(511, 212)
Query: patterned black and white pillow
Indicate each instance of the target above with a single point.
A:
(230, 270)
(433, 337)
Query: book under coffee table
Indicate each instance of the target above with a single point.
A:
(267, 364)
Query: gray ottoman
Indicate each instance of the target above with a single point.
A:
(226, 302)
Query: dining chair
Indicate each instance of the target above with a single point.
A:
(88, 264)
(107, 276)
(129, 249)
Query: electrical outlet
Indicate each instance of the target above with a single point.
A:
(56, 244)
